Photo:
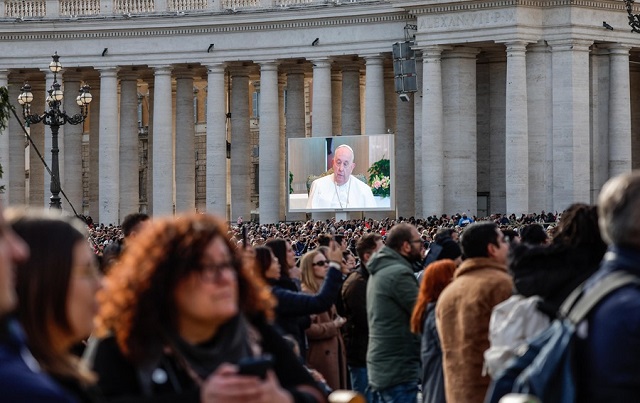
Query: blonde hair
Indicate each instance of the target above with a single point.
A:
(308, 280)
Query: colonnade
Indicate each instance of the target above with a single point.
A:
(510, 121)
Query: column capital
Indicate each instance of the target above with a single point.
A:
(373, 59)
(102, 69)
(618, 48)
(563, 45)
(320, 63)
(516, 46)
(462, 52)
(540, 46)
(183, 72)
(161, 69)
(239, 71)
(216, 68)
(268, 65)
(128, 75)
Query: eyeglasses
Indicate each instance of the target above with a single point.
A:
(212, 273)
(416, 241)
(320, 263)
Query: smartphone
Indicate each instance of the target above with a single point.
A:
(255, 366)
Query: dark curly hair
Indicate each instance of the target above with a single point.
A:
(137, 302)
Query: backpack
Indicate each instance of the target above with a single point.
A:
(543, 368)
(512, 323)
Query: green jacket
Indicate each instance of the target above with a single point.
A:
(393, 355)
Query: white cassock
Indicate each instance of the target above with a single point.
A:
(325, 193)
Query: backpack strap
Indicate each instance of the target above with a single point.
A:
(578, 304)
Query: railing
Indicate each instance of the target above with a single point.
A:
(78, 8)
(25, 8)
(133, 6)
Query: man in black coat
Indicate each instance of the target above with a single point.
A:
(354, 306)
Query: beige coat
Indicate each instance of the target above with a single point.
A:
(462, 318)
(326, 352)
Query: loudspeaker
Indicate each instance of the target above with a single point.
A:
(404, 67)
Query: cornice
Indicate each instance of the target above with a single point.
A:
(110, 28)
(418, 8)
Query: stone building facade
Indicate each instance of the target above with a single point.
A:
(522, 105)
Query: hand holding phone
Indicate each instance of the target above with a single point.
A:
(255, 366)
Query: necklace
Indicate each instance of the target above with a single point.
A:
(346, 204)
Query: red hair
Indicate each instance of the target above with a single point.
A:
(435, 278)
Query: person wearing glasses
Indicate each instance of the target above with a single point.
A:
(393, 353)
(464, 309)
(56, 289)
(178, 314)
(326, 351)
(341, 190)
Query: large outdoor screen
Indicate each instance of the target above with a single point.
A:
(342, 173)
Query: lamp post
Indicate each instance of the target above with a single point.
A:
(54, 117)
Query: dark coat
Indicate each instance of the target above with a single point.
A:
(608, 345)
(120, 381)
(21, 381)
(356, 330)
(294, 308)
(431, 353)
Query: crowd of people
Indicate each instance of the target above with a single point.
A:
(192, 309)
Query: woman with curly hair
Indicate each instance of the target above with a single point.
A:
(179, 311)
(436, 277)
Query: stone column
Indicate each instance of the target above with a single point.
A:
(350, 99)
(321, 123)
(336, 102)
(599, 117)
(432, 133)
(619, 111)
(284, 188)
(459, 105)
(14, 171)
(163, 151)
(539, 116)
(517, 141)
(240, 145)
(374, 122)
(129, 169)
(295, 103)
(570, 64)
(71, 164)
(185, 143)
(417, 138)
(404, 150)
(391, 98)
(495, 148)
(109, 153)
(94, 147)
(295, 115)
(216, 169)
(269, 143)
(37, 172)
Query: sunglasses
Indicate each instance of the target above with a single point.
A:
(320, 263)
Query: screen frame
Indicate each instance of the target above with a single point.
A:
(308, 156)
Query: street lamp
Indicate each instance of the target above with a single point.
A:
(54, 117)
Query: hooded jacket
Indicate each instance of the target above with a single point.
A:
(393, 354)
